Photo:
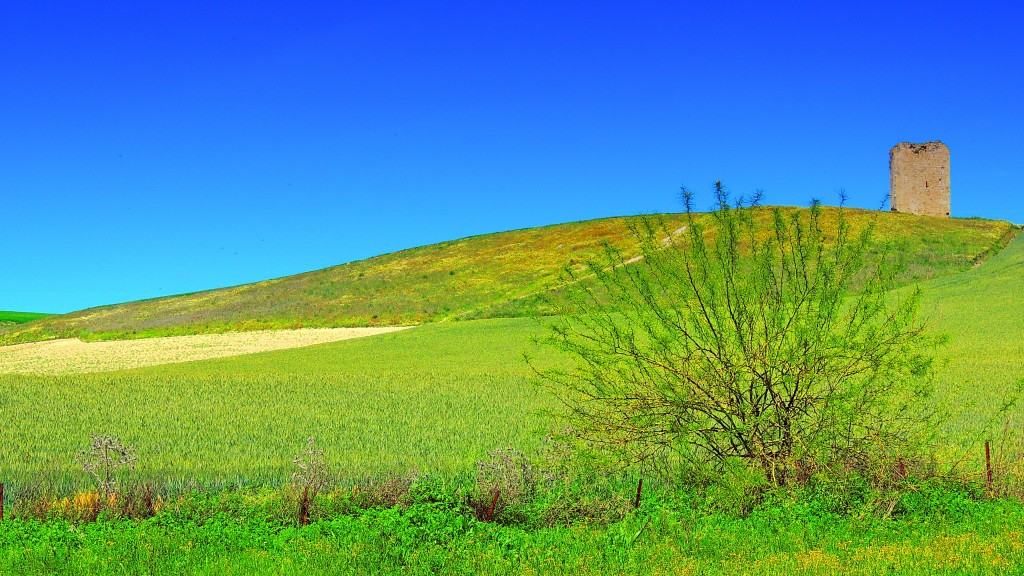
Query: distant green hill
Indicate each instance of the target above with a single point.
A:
(20, 317)
(493, 275)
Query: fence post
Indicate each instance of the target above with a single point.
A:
(1, 501)
(988, 467)
(494, 502)
(639, 489)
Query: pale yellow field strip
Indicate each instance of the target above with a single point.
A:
(72, 356)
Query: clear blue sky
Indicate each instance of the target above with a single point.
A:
(149, 149)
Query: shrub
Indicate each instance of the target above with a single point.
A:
(765, 336)
(105, 456)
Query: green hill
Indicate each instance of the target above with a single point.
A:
(7, 317)
(436, 398)
(494, 275)
(983, 363)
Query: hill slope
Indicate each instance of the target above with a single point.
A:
(494, 275)
(436, 398)
(983, 363)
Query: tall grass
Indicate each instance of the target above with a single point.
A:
(433, 399)
(436, 398)
(234, 533)
(981, 310)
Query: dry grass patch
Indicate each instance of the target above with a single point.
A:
(72, 356)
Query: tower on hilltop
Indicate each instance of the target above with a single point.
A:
(919, 178)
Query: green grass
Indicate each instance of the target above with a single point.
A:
(235, 533)
(494, 275)
(982, 312)
(20, 317)
(435, 398)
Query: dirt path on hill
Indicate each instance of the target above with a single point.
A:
(72, 356)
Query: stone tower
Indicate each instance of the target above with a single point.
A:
(919, 178)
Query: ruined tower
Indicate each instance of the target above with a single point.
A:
(919, 178)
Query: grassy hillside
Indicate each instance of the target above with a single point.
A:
(435, 398)
(19, 317)
(982, 312)
(495, 275)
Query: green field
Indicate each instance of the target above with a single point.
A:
(20, 317)
(489, 276)
(980, 311)
(436, 399)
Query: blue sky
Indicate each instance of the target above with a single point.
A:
(148, 150)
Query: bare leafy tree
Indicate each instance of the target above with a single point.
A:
(105, 456)
(769, 336)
